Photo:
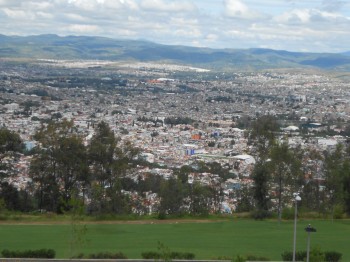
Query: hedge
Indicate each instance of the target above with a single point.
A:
(39, 253)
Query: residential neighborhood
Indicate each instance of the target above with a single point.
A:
(177, 116)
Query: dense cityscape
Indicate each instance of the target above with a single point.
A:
(147, 138)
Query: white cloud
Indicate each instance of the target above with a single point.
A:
(167, 6)
(18, 14)
(309, 16)
(86, 29)
(237, 9)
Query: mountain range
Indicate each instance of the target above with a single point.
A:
(86, 47)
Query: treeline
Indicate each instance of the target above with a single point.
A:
(322, 178)
(102, 175)
(98, 176)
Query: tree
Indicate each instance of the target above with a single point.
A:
(60, 169)
(260, 190)
(263, 134)
(10, 145)
(346, 185)
(109, 162)
(334, 176)
(201, 199)
(286, 172)
(172, 195)
(313, 196)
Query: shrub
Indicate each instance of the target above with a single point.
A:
(172, 255)
(316, 255)
(107, 255)
(332, 256)
(150, 255)
(40, 253)
(182, 255)
(239, 258)
(338, 212)
(288, 255)
(256, 258)
(261, 214)
(288, 213)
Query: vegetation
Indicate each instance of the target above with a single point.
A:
(232, 237)
(40, 253)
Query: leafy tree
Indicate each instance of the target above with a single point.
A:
(60, 169)
(334, 176)
(172, 193)
(201, 199)
(286, 172)
(109, 162)
(261, 178)
(313, 197)
(346, 185)
(263, 133)
(10, 145)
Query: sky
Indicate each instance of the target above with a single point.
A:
(293, 25)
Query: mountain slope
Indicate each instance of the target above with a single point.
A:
(85, 47)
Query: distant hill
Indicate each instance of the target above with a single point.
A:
(85, 47)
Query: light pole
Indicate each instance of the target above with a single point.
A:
(296, 199)
(309, 229)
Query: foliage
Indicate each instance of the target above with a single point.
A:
(332, 256)
(288, 255)
(260, 193)
(263, 133)
(10, 144)
(285, 166)
(316, 255)
(40, 253)
(60, 168)
(178, 121)
(256, 258)
(165, 254)
(107, 255)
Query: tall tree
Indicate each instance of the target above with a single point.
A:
(313, 196)
(10, 145)
(334, 176)
(60, 169)
(172, 193)
(286, 172)
(263, 134)
(261, 177)
(110, 160)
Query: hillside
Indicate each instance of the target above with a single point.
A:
(84, 47)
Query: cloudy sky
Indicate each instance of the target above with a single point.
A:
(294, 25)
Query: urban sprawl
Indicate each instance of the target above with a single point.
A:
(179, 116)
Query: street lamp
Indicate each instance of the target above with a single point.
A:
(296, 199)
(309, 229)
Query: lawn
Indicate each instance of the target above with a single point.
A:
(206, 240)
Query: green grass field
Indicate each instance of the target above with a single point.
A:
(206, 240)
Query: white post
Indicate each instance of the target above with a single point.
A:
(296, 199)
(308, 247)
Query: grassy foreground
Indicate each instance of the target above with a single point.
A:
(207, 240)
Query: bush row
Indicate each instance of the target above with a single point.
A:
(39, 253)
(328, 256)
(102, 255)
(171, 255)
